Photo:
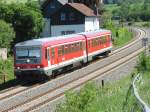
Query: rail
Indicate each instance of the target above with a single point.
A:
(136, 94)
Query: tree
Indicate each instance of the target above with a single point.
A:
(26, 19)
(7, 34)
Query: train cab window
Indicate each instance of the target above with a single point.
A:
(53, 53)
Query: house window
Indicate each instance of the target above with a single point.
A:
(52, 5)
(63, 17)
(71, 17)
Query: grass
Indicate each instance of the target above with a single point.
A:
(142, 24)
(112, 98)
(122, 37)
(144, 89)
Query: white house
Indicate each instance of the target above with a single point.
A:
(73, 18)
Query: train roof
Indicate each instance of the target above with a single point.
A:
(40, 41)
(61, 39)
(96, 33)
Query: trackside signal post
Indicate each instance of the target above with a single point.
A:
(145, 43)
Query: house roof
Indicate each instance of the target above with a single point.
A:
(63, 1)
(46, 2)
(85, 10)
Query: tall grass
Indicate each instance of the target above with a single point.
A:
(144, 88)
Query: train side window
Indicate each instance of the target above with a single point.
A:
(72, 47)
(45, 53)
(81, 45)
(99, 43)
(66, 49)
(96, 41)
(59, 51)
(69, 48)
(48, 53)
(103, 40)
(77, 47)
(92, 43)
(88, 43)
(63, 50)
(108, 38)
(53, 52)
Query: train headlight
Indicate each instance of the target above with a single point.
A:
(18, 67)
(38, 67)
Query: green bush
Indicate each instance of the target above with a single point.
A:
(143, 63)
(6, 68)
(7, 34)
(80, 101)
(26, 19)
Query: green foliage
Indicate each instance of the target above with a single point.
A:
(114, 97)
(26, 19)
(6, 68)
(7, 34)
(80, 101)
(106, 19)
(122, 36)
(143, 63)
(144, 88)
(129, 10)
(146, 24)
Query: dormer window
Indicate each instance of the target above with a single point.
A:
(63, 17)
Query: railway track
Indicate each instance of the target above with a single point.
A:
(16, 90)
(57, 87)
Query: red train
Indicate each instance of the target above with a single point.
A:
(46, 56)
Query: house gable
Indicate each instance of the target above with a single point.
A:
(51, 6)
(67, 15)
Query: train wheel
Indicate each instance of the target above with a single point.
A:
(106, 54)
